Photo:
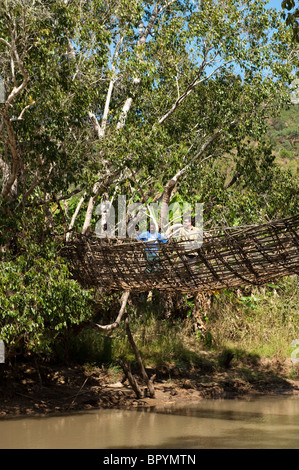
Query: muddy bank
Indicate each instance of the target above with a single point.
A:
(50, 389)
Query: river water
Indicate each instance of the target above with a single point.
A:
(263, 423)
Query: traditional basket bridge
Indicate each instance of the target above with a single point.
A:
(227, 258)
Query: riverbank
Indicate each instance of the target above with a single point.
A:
(27, 390)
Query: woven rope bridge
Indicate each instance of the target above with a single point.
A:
(228, 257)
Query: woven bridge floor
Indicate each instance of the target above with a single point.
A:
(228, 257)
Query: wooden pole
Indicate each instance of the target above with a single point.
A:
(127, 371)
(149, 382)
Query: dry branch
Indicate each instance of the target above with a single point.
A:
(112, 326)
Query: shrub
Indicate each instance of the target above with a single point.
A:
(38, 301)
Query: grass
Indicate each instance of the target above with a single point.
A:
(263, 323)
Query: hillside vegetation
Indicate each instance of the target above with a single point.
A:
(284, 137)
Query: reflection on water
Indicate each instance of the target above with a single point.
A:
(220, 424)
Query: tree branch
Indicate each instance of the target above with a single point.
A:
(168, 188)
(71, 225)
(190, 88)
(141, 41)
(20, 117)
(11, 141)
(97, 189)
(112, 326)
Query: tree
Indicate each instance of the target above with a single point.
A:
(44, 142)
(167, 58)
(155, 100)
(43, 147)
(181, 99)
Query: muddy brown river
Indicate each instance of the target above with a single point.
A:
(263, 423)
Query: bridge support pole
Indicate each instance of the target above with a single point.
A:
(126, 368)
(148, 381)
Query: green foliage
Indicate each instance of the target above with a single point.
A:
(38, 300)
(66, 56)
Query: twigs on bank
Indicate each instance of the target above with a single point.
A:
(77, 394)
(126, 367)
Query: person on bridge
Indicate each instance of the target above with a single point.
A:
(152, 238)
(191, 235)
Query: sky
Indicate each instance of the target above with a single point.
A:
(275, 4)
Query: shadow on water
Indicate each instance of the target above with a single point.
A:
(266, 423)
